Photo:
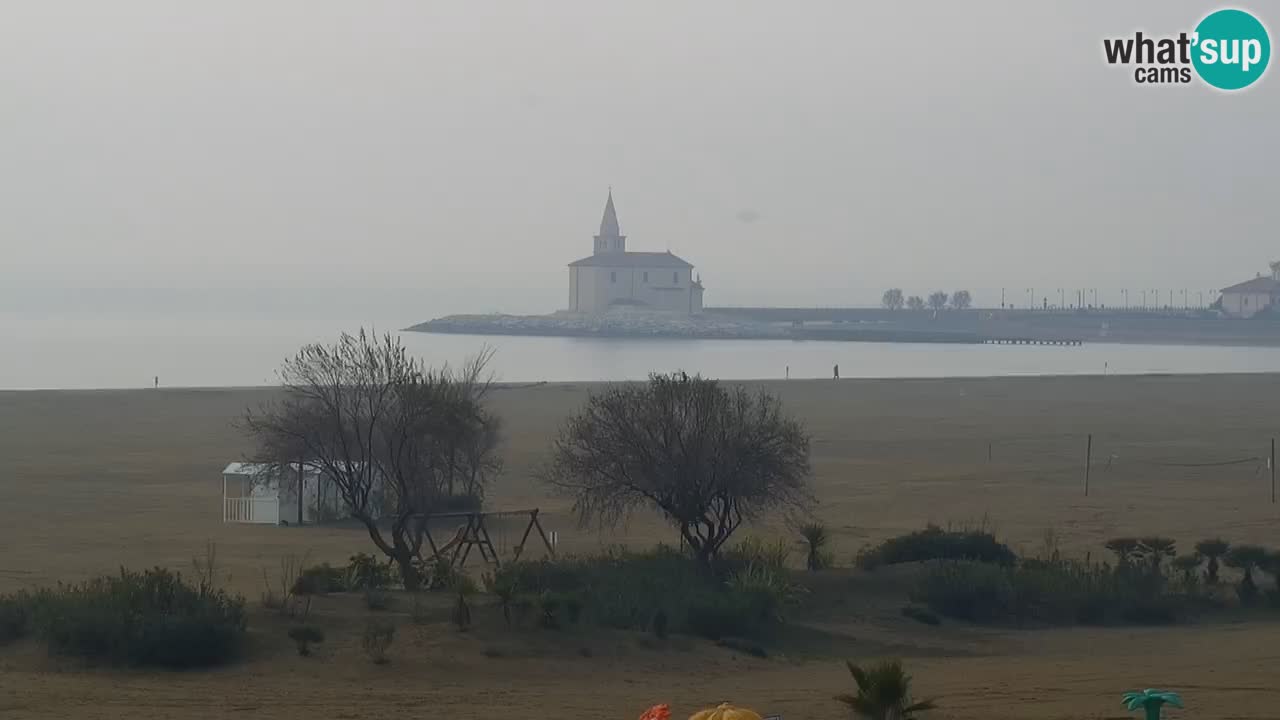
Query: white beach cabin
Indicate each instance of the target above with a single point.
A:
(266, 493)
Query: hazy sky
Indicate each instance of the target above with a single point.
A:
(807, 151)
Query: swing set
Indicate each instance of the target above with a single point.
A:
(474, 533)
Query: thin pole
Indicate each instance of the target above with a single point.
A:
(1088, 458)
(1273, 471)
(988, 452)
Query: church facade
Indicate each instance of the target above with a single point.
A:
(611, 278)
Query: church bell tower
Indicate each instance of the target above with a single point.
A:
(610, 239)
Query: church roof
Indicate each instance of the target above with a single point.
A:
(632, 260)
(609, 221)
(1256, 285)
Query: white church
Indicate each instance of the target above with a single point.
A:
(613, 279)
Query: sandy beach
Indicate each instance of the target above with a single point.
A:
(92, 480)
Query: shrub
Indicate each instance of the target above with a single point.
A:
(768, 588)
(934, 543)
(505, 587)
(967, 590)
(1058, 592)
(440, 574)
(15, 616)
(757, 551)
(627, 590)
(816, 539)
(365, 572)
(1247, 559)
(305, 636)
(549, 605)
(1213, 549)
(378, 635)
(883, 691)
(148, 618)
(320, 580)
(461, 615)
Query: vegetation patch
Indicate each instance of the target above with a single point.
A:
(151, 618)
(656, 590)
(935, 543)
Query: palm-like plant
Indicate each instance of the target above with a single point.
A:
(1187, 565)
(815, 539)
(1247, 558)
(1157, 549)
(1151, 701)
(884, 693)
(1125, 548)
(1212, 549)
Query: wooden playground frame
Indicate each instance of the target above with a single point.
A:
(475, 534)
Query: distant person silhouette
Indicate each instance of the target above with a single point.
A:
(835, 371)
(788, 372)
(157, 382)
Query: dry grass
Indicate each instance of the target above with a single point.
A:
(93, 480)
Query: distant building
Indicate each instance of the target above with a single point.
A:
(1248, 298)
(612, 278)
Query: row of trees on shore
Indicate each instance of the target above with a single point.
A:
(893, 299)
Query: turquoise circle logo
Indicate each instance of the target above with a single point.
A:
(1231, 49)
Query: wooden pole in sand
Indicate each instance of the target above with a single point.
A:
(1273, 471)
(1088, 458)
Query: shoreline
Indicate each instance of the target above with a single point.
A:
(569, 384)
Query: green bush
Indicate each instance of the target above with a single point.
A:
(148, 618)
(1056, 592)
(320, 580)
(628, 590)
(15, 616)
(934, 543)
(967, 590)
(365, 572)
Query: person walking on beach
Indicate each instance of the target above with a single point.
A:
(835, 371)
(157, 382)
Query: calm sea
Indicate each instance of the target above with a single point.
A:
(121, 339)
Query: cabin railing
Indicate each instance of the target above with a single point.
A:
(257, 510)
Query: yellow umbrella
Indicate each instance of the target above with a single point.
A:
(725, 711)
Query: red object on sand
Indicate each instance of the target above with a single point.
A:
(657, 712)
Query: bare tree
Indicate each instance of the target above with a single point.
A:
(706, 457)
(915, 302)
(938, 300)
(392, 435)
(961, 299)
(892, 299)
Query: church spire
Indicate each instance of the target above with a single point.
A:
(609, 222)
(610, 238)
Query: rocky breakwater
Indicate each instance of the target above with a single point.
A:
(628, 325)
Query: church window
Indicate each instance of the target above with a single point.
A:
(613, 277)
